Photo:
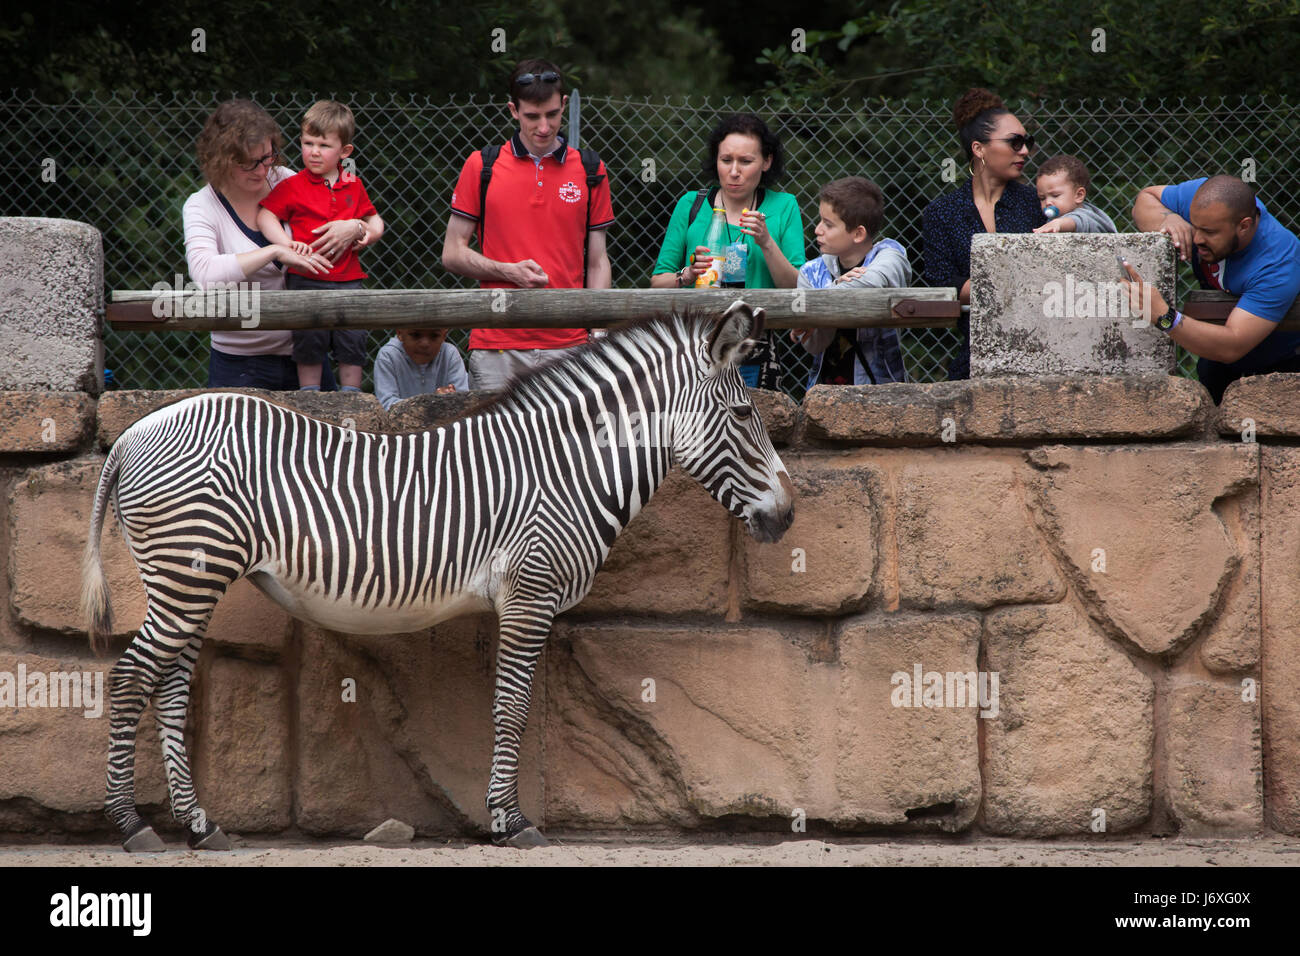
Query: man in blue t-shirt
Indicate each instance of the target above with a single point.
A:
(1235, 245)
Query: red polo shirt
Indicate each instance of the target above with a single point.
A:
(536, 210)
(306, 201)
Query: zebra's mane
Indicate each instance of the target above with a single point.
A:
(690, 325)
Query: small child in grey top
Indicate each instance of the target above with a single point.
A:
(415, 362)
(1063, 182)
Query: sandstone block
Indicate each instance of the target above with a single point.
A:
(44, 422)
(1053, 304)
(1267, 405)
(56, 756)
(1212, 742)
(1280, 590)
(49, 520)
(741, 721)
(416, 744)
(672, 558)
(780, 414)
(1075, 730)
(423, 412)
(53, 296)
(826, 562)
(1008, 410)
(966, 538)
(1133, 523)
(247, 618)
(241, 757)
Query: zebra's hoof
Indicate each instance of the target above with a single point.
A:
(210, 839)
(527, 838)
(144, 840)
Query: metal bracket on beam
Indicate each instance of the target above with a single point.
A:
(925, 309)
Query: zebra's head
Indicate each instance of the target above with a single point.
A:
(724, 445)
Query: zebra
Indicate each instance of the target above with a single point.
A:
(513, 508)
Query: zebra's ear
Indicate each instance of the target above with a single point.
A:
(736, 333)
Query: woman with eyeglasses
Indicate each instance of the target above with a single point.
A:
(992, 200)
(238, 153)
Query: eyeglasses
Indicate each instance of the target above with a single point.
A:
(1016, 142)
(267, 160)
(528, 79)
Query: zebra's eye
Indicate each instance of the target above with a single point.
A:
(742, 412)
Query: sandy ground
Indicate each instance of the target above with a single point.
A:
(1271, 850)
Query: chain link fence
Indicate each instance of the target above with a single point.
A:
(125, 164)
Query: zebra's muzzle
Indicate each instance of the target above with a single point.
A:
(770, 524)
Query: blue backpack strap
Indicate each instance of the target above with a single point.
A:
(489, 154)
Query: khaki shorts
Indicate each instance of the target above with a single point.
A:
(492, 368)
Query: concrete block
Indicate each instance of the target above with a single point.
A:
(51, 300)
(1053, 304)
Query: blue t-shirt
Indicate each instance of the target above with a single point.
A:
(1266, 273)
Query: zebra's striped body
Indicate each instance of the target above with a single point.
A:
(513, 509)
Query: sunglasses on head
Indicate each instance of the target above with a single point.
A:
(1016, 142)
(528, 79)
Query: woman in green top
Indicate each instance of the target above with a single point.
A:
(745, 156)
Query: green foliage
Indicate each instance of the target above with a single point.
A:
(1019, 48)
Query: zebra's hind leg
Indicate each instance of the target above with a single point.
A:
(130, 683)
(523, 635)
(148, 663)
(171, 701)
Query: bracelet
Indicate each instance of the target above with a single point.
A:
(1178, 317)
(363, 229)
(681, 282)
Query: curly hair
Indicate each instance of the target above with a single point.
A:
(234, 130)
(1076, 174)
(747, 124)
(976, 116)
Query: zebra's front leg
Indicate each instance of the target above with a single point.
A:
(523, 633)
(171, 705)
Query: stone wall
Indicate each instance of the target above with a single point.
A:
(1110, 548)
(1110, 559)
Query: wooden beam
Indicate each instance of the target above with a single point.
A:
(518, 308)
(1211, 306)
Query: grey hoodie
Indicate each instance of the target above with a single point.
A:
(397, 377)
(1088, 218)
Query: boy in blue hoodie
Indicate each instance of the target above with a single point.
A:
(851, 213)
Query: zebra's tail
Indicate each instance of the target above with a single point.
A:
(96, 606)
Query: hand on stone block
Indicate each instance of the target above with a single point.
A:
(1145, 300)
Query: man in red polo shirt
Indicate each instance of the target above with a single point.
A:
(538, 223)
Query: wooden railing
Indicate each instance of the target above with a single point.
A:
(518, 308)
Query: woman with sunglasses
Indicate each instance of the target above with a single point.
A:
(992, 200)
(238, 154)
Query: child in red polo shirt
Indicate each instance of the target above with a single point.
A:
(309, 202)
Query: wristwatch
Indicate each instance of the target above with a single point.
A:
(1167, 321)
